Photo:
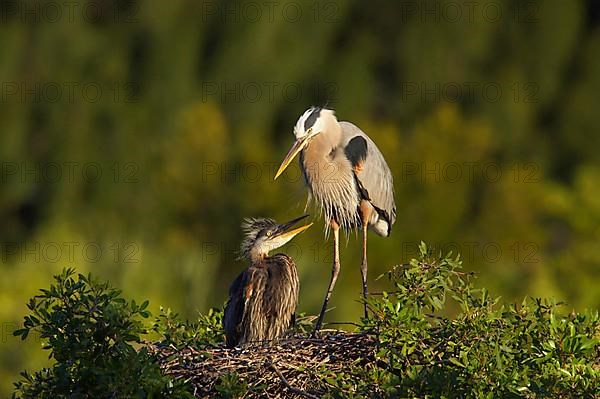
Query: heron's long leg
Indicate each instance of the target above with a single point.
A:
(334, 272)
(363, 268)
(365, 215)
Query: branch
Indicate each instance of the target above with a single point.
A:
(291, 388)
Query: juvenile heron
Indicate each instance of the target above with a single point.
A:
(263, 298)
(349, 179)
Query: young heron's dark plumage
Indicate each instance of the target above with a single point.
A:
(263, 298)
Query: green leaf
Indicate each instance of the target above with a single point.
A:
(457, 362)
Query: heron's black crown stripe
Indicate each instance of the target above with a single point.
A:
(312, 118)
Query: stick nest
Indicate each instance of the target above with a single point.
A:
(294, 367)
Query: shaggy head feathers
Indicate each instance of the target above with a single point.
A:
(253, 229)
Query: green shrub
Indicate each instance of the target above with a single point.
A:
(485, 350)
(435, 336)
(91, 333)
(206, 331)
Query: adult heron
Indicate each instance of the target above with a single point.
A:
(263, 298)
(349, 179)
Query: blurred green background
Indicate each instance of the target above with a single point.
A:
(135, 136)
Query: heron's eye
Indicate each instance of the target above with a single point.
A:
(269, 233)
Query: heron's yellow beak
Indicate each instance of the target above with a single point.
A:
(283, 236)
(296, 148)
(291, 234)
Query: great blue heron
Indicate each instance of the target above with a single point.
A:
(349, 179)
(263, 298)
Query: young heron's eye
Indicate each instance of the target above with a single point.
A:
(269, 233)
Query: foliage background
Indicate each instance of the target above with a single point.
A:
(136, 135)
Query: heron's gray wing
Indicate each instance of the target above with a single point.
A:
(356, 152)
(374, 178)
(234, 310)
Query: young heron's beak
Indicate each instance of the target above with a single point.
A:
(296, 148)
(283, 234)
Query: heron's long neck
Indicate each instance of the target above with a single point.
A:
(318, 151)
(258, 256)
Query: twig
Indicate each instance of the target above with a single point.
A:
(291, 388)
(387, 292)
(343, 323)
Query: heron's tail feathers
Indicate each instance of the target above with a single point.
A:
(381, 227)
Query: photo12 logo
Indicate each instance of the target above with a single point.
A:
(69, 11)
(227, 92)
(7, 331)
(472, 252)
(270, 11)
(468, 92)
(470, 172)
(55, 252)
(70, 172)
(21, 92)
(470, 12)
